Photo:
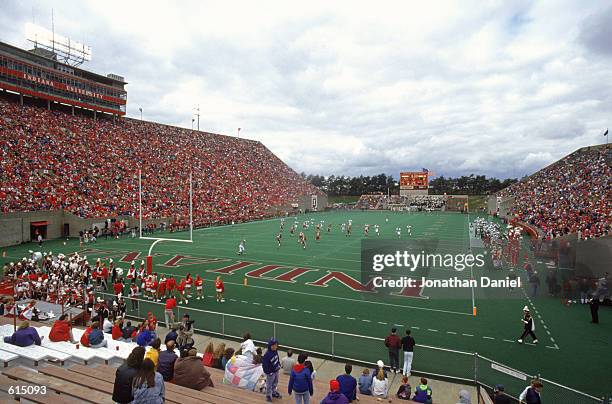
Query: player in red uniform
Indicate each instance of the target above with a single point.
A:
(199, 285)
(161, 288)
(188, 283)
(181, 290)
(118, 286)
(220, 289)
(170, 284)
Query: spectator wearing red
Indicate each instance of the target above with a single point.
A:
(61, 330)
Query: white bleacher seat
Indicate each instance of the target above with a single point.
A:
(104, 353)
(6, 357)
(83, 353)
(32, 352)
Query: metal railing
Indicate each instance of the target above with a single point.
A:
(459, 366)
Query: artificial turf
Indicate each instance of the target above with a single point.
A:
(571, 351)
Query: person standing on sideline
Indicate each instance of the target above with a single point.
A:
(594, 305)
(169, 311)
(528, 326)
(271, 367)
(408, 348)
(534, 281)
(393, 343)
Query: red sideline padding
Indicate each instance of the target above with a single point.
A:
(149, 265)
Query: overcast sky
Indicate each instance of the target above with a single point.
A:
(500, 89)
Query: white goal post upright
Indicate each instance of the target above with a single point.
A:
(149, 258)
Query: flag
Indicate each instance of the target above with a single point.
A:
(424, 170)
(606, 132)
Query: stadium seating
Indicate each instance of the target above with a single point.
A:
(573, 195)
(52, 160)
(93, 383)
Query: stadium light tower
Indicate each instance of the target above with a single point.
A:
(140, 109)
(198, 115)
(239, 133)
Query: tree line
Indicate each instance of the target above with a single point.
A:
(353, 186)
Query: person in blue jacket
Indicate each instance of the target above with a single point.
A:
(300, 381)
(348, 384)
(24, 336)
(271, 367)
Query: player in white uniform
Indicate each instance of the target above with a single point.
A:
(377, 230)
(409, 230)
(241, 247)
(398, 231)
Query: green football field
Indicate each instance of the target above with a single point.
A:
(294, 287)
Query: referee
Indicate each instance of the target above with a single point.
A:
(528, 326)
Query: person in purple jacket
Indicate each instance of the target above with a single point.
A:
(334, 396)
(24, 336)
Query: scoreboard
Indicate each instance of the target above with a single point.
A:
(416, 180)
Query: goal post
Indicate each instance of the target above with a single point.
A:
(156, 240)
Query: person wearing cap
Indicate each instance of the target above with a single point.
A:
(499, 396)
(334, 396)
(300, 381)
(528, 326)
(271, 367)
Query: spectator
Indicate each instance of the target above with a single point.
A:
(531, 394)
(380, 385)
(107, 326)
(464, 397)
(144, 337)
(95, 337)
(172, 334)
(300, 381)
(24, 336)
(165, 363)
(117, 331)
(334, 396)
(124, 376)
(129, 332)
(403, 393)
(288, 362)
(61, 330)
(227, 356)
(499, 395)
(365, 383)
(247, 346)
(218, 356)
(189, 371)
(148, 386)
(408, 344)
(310, 367)
(271, 367)
(207, 358)
(422, 392)
(348, 384)
(153, 352)
(393, 343)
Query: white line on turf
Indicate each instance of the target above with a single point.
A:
(485, 337)
(467, 335)
(382, 323)
(431, 329)
(451, 332)
(350, 318)
(308, 311)
(294, 309)
(322, 314)
(366, 321)
(509, 340)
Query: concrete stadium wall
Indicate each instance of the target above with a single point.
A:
(505, 206)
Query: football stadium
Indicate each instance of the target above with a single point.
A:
(148, 261)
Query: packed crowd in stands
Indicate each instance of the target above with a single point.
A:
(382, 202)
(52, 160)
(573, 195)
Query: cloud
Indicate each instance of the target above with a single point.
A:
(500, 89)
